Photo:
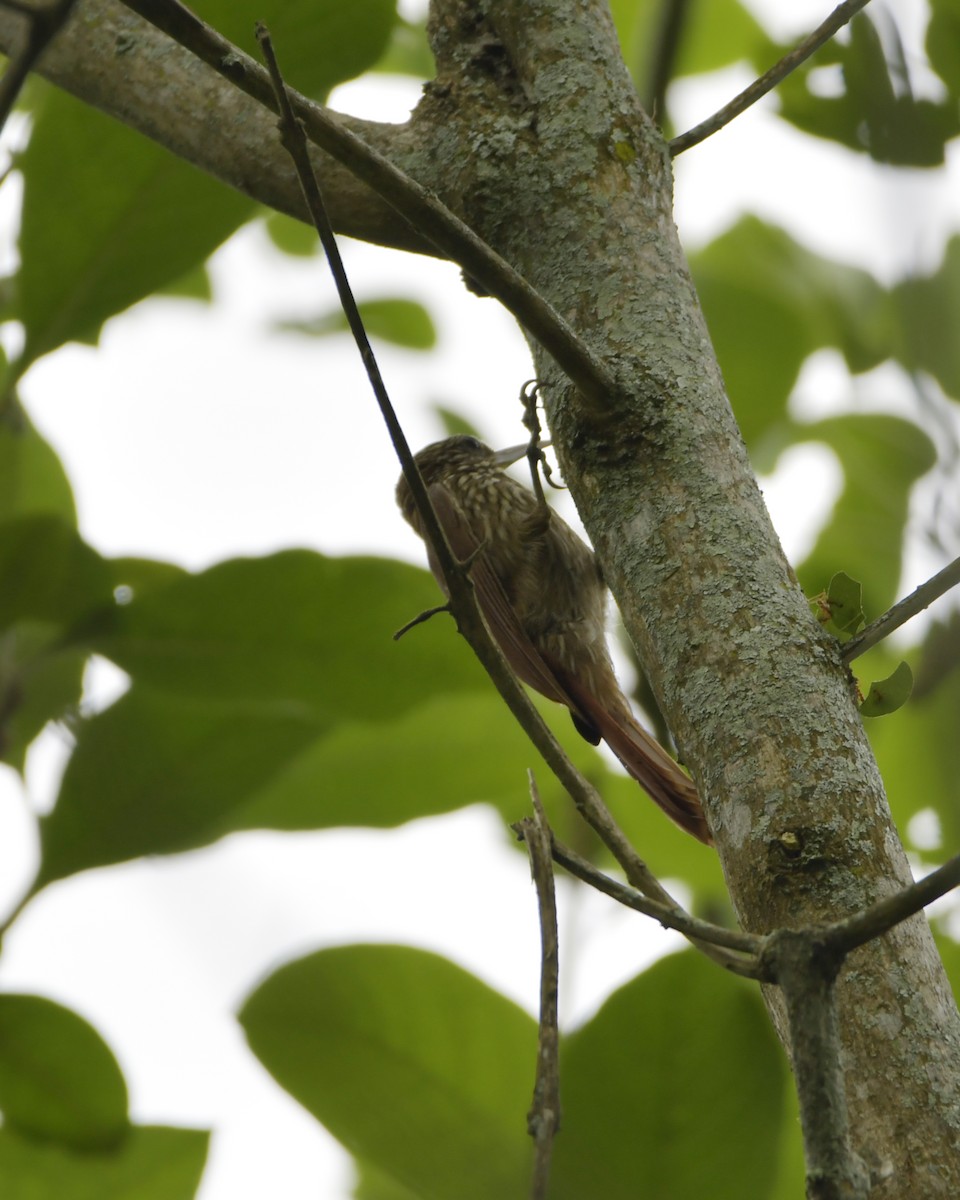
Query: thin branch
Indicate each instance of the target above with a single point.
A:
(451, 236)
(666, 47)
(902, 611)
(543, 1119)
(420, 619)
(44, 22)
(759, 88)
(670, 916)
(844, 936)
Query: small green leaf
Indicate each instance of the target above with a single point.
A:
(844, 606)
(58, 1079)
(887, 695)
(416, 1066)
(150, 1163)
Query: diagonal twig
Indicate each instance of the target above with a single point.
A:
(902, 611)
(844, 936)
(768, 81)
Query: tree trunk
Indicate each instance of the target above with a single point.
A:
(533, 133)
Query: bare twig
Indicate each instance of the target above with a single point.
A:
(670, 916)
(844, 936)
(543, 1119)
(451, 236)
(759, 88)
(44, 22)
(420, 618)
(902, 611)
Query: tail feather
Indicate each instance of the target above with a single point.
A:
(649, 764)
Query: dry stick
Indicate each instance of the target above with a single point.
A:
(471, 625)
(844, 936)
(669, 916)
(543, 1119)
(759, 88)
(44, 24)
(902, 611)
(453, 238)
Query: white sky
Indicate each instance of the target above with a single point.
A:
(194, 434)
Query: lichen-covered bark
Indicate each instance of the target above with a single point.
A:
(532, 132)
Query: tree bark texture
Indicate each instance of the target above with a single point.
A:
(533, 133)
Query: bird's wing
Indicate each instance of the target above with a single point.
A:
(497, 610)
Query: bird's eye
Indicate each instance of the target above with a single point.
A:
(468, 442)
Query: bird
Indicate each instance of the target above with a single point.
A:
(542, 596)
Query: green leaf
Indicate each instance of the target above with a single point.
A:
(943, 42)
(49, 573)
(680, 1058)
(756, 277)
(454, 422)
(374, 1185)
(431, 759)
(38, 683)
(877, 112)
(32, 478)
(292, 237)
(394, 319)
(155, 774)
(887, 695)
(844, 606)
(139, 219)
(416, 1066)
(882, 457)
(919, 753)
(294, 627)
(52, 582)
(151, 1163)
(319, 42)
(929, 314)
(58, 1079)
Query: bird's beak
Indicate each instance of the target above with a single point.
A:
(512, 454)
